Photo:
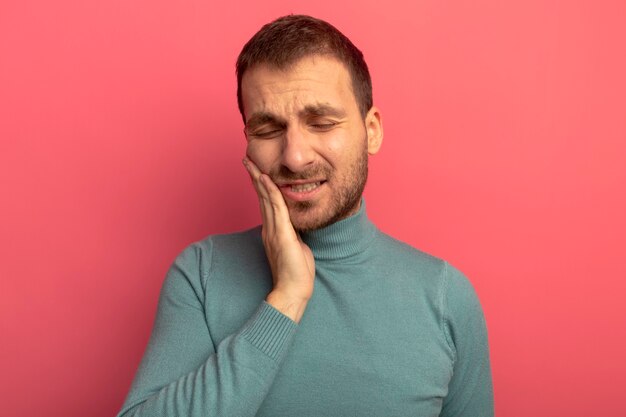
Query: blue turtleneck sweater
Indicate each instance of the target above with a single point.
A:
(389, 331)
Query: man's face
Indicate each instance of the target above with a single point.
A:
(305, 131)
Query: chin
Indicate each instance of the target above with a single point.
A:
(307, 223)
(306, 216)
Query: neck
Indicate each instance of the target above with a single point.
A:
(344, 238)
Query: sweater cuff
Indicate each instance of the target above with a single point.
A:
(270, 331)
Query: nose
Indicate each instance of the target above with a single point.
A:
(297, 149)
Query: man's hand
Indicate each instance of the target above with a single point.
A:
(290, 259)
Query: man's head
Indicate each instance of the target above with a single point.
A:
(306, 125)
(286, 40)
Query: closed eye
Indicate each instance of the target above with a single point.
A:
(267, 135)
(323, 126)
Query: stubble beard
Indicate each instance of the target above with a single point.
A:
(342, 204)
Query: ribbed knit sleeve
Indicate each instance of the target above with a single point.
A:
(183, 373)
(470, 392)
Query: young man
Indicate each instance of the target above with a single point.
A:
(316, 312)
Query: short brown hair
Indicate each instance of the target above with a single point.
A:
(288, 39)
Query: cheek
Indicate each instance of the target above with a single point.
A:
(261, 153)
(333, 146)
(336, 144)
(341, 149)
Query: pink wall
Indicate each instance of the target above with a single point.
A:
(505, 149)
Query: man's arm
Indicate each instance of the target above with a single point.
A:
(182, 373)
(470, 391)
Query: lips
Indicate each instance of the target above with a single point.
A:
(301, 190)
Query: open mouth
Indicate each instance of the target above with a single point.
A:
(303, 188)
(301, 191)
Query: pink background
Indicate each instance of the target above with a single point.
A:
(504, 152)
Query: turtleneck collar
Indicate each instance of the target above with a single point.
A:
(345, 238)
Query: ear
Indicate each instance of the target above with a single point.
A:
(374, 128)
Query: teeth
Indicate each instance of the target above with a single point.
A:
(301, 188)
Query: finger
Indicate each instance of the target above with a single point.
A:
(280, 210)
(267, 209)
(255, 176)
(264, 199)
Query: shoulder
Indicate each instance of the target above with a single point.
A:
(449, 285)
(404, 256)
(459, 290)
(459, 309)
(221, 243)
(195, 262)
(236, 240)
(389, 243)
(464, 320)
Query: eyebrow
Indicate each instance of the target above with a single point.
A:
(315, 110)
(261, 118)
(321, 110)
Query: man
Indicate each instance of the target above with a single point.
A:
(317, 312)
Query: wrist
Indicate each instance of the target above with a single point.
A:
(289, 305)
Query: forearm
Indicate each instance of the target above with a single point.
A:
(232, 381)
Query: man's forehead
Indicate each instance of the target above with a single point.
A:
(318, 71)
(314, 85)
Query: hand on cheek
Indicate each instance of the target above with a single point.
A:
(291, 260)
